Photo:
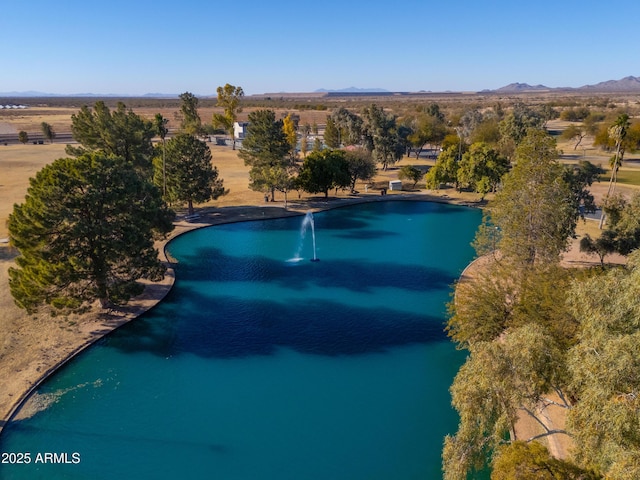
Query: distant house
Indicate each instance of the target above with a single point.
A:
(239, 130)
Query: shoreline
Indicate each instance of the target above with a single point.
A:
(100, 324)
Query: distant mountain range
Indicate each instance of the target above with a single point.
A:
(353, 90)
(34, 94)
(626, 84)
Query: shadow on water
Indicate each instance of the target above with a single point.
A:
(227, 327)
(203, 316)
(366, 234)
(364, 215)
(357, 218)
(358, 275)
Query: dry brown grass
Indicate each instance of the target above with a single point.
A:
(29, 120)
(18, 163)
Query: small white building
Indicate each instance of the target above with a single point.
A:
(239, 130)
(395, 185)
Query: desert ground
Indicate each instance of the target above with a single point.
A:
(31, 347)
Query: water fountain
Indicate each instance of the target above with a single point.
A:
(306, 221)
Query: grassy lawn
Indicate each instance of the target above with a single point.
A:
(625, 176)
(629, 177)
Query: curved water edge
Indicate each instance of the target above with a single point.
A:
(234, 214)
(373, 326)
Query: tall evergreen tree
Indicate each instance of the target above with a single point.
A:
(265, 149)
(191, 178)
(349, 126)
(121, 133)
(85, 232)
(47, 131)
(534, 210)
(331, 133)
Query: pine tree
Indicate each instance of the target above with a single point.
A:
(190, 176)
(85, 232)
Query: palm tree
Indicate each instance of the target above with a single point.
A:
(160, 124)
(617, 132)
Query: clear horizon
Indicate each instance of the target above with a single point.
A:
(136, 48)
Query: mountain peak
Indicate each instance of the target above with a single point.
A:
(626, 84)
(521, 87)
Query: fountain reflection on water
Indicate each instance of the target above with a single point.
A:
(306, 222)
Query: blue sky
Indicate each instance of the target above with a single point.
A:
(140, 46)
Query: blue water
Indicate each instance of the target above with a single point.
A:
(257, 366)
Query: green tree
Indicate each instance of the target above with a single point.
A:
(580, 177)
(602, 246)
(190, 121)
(191, 178)
(486, 131)
(497, 381)
(574, 133)
(482, 168)
(322, 171)
(277, 177)
(500, 298)
(532, 461)
(229, 97)
(445, 169)
(265, 149)
(85, 232)
(331, 133)
(409, 172)
(427, 128)
(23, 136)
(576, 114)
(349, 127)
(514, 127)
(604, 369)
(120, 133)
(361, 166)
(381, 136)
(47, 131)
(304, 145)
(623, 227)
(534, 210)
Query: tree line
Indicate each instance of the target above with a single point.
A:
(539, 335)
(87, 226)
